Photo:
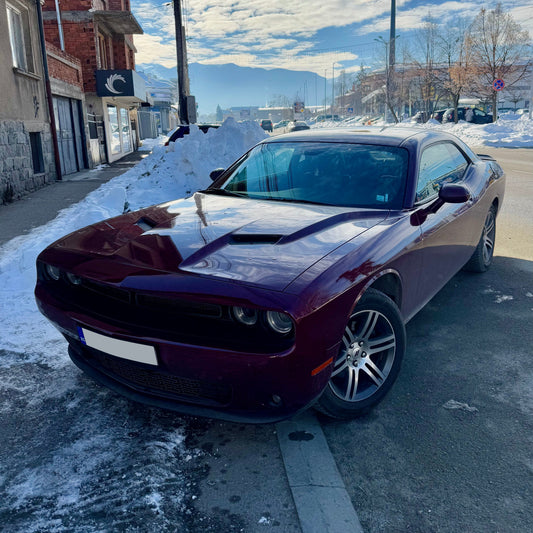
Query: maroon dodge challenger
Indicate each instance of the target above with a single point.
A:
(286, 283)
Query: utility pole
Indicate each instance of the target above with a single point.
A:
(182, 67)
(392, 37)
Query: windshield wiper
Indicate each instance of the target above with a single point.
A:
(296, 201)
(223, 192)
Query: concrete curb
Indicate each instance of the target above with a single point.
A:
(322, 502)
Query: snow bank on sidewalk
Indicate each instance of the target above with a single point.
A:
(167, 173)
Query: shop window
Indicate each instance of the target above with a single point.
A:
(37, 152)
(114, 126)
(20, 37)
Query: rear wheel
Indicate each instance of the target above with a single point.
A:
(369, 359)
(483, 254)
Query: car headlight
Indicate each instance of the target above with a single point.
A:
(279, 322)
(75, 280)
(53, 272)
(245, 315)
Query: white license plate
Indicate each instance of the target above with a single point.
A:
(141, 353)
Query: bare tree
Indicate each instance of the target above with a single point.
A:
(500, 48)
(456, 48)
(427, 60)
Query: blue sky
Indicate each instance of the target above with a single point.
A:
(311, 35)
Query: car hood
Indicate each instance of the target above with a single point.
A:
(264, 243)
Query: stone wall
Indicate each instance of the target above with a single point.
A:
(16, 164)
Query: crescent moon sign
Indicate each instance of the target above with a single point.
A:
(110, 83)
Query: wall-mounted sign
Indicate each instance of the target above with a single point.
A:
(120, 83)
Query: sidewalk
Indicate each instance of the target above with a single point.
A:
(41, 206)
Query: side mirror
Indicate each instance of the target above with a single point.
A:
(449, 193)
(454, 193)
(215, 174)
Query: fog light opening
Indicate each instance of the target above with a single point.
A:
(276, 401)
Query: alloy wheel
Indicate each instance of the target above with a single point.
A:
(366, 356)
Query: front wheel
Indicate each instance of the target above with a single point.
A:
(369, 359)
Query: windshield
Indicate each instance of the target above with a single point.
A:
(343, 174)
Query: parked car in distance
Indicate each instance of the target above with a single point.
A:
(437, 115)
(184, 129)
(328, 117)
(266, 124)
(281, 124)
(297, 125)
(420, 117)
(469, 114)
(286, 283)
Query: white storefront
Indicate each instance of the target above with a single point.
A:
(120, 92)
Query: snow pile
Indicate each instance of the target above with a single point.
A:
(510, 130)
(166, 174)
(184, 166)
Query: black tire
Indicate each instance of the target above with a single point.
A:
(484, 253)
(369, 359)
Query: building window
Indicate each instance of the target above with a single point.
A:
(37, 152)
(19, 37)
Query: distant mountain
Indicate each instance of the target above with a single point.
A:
(233, 86)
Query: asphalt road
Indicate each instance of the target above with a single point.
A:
(451, 447)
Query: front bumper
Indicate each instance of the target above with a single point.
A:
(182, 395)
(196, 380)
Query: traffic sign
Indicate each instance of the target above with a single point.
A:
(498, 85)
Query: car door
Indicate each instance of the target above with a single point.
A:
(448, 235)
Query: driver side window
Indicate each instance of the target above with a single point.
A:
(440, 163)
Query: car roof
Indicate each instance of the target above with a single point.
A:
(389, 136)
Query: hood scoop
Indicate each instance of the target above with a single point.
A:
(145, 224)
(255, 238)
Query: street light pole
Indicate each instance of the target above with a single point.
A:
(325, 93)
(391, 62)
(332, 90)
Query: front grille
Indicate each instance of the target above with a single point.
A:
(169, 318)
(156, 381)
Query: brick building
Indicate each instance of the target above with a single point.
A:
(66, 82)
(99, 34)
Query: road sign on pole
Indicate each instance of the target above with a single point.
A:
(498, 85)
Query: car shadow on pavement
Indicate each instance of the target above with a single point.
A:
(449, 449)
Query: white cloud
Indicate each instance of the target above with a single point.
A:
(280, 33)
(250, 32)
(152, 49)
